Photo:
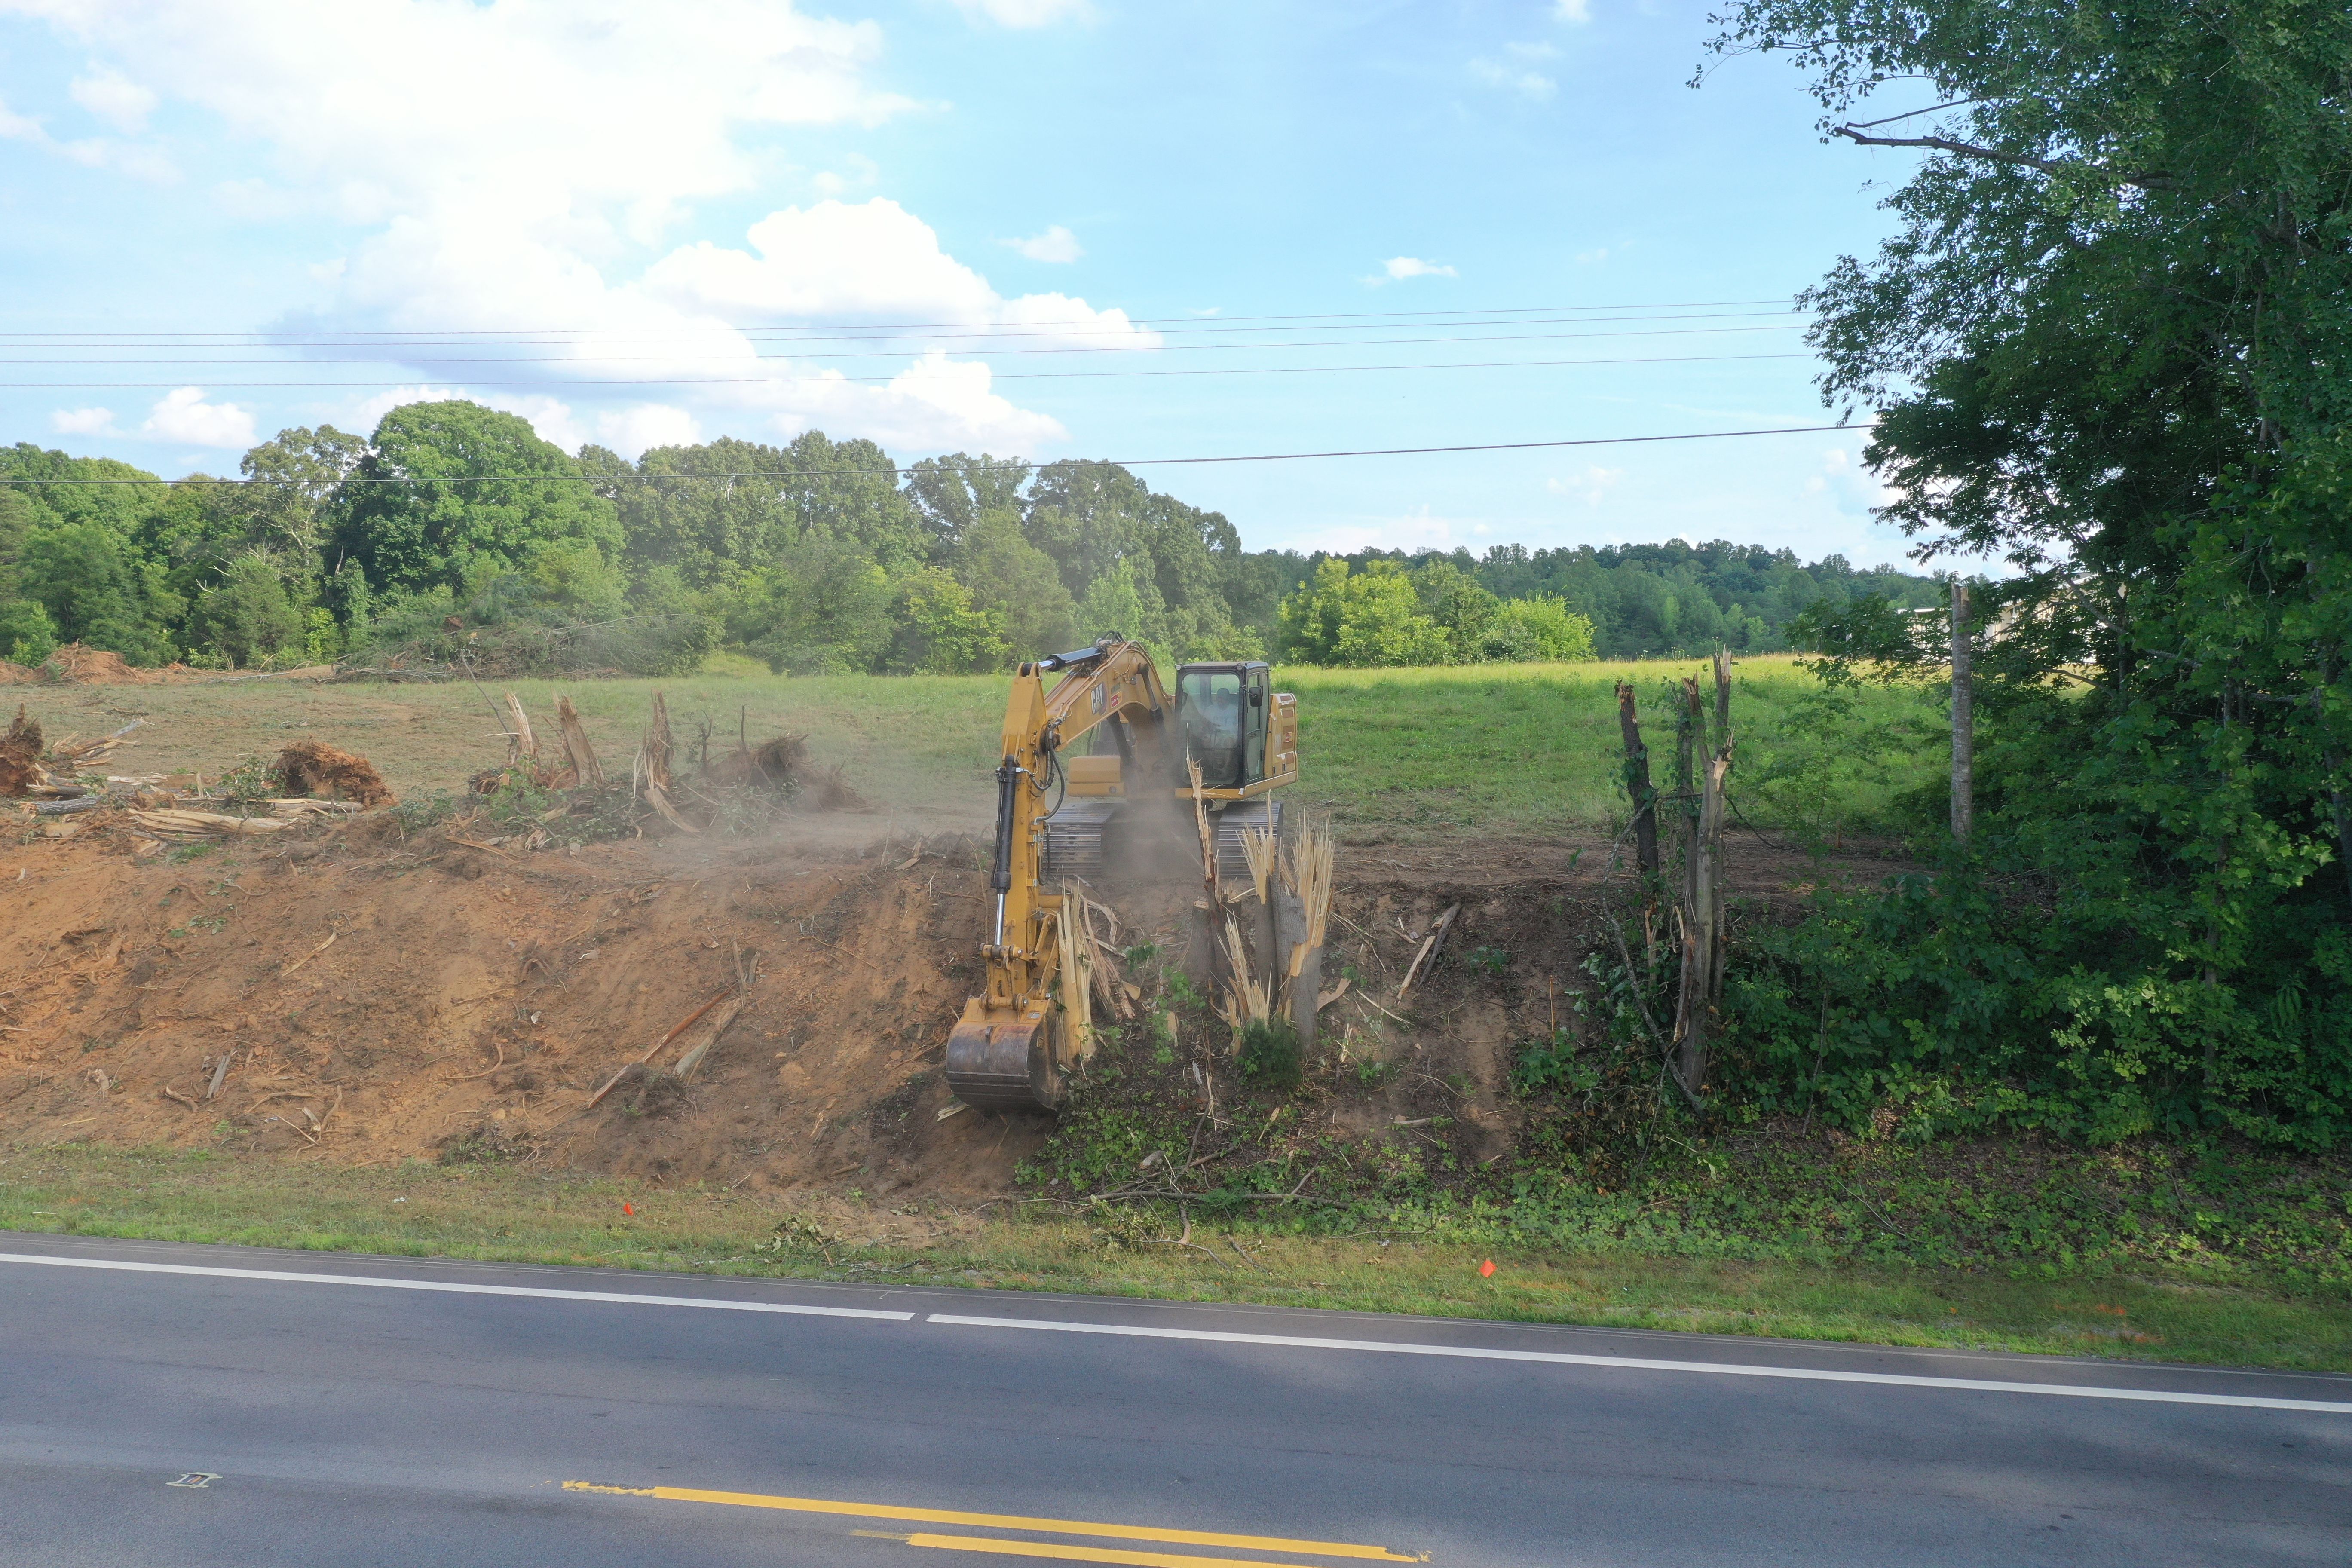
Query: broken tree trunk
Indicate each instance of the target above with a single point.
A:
(1964, 722)
(522, 746)
(578, 754)
(1637, 785)
(1702, 933)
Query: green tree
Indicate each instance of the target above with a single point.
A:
(2107, 344)
(1370, 617)
(1017, 583)
(941, 632)
(449, 489)
(95, 591)
(245, 619)
(823, 609)
(1453, 598)
(1541, 628)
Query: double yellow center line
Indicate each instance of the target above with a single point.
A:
(1034, 1526)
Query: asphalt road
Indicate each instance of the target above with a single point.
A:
(391, 1411)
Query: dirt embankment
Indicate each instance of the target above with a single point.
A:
(375, 998)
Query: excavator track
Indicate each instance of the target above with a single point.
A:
(1081, 839)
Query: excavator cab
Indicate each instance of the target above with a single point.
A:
(1220, 710)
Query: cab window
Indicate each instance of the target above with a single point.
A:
(1208, 703)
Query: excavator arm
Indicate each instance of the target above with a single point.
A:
(1012, 1044)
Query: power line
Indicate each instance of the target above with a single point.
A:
(1173, 322)
(580, 381)
(973, 466)
(902, 354)
(850, 334)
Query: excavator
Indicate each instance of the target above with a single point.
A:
(1064, 812)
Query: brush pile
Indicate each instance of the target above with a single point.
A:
(714, 790)
(58, 781)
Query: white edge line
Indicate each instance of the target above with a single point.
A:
(1472, 1352)
(622, 1298)
(1631, 1364)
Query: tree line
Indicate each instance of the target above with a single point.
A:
(453, 527)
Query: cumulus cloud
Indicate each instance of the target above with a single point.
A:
(1057, 244)
(1592, 486)
(183, 416)
(514, 164)
(871, 261)
(121, 102)
(1025, 13)
(1513, 78)
(1850, 488)
(1396, 268)
(83, 422)
(1577, 11)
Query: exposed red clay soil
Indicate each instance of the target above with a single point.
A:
(379, 998)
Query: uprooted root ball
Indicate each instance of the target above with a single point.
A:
(313, 767)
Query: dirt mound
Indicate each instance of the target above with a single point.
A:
(17, 674)
(20, 754)
(377, 999)
(376, 995)
(95, 667)
(315, 768)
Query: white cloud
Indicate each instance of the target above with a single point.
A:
(1057, 244)
(630, 431)
(184, 416)
(1402, 267)
(873, 260)
(83, 422)
(1849, 486)
(1577, 11)
(115, 99)
(14, 127)
(1593, 486)
(515, 164)
(1528, 84)
(1026, 12)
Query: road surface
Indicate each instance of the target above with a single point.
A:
(180, 1404)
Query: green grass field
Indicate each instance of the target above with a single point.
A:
(1399, 754)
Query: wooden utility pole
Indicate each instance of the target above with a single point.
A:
(1964, 720)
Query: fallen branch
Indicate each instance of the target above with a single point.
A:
(1429, 947)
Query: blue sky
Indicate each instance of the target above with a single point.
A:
(871, 220)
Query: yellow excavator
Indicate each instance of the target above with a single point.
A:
(1067, 818)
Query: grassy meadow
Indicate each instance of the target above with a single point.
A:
(1400, 754)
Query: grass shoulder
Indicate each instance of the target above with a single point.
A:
(510, 1214)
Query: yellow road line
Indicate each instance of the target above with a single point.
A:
(1014, 1522)
(1002, 1547)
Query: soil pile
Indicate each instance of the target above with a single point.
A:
(372, 994)
(95, 667)
(16, 674)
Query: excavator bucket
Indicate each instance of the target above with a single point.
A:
(1003, 1060)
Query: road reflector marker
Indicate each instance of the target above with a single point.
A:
(1015, 1521)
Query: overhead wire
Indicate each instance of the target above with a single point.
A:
(1172, 322)
(902, 354)
(837, 380)
(985, 464)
